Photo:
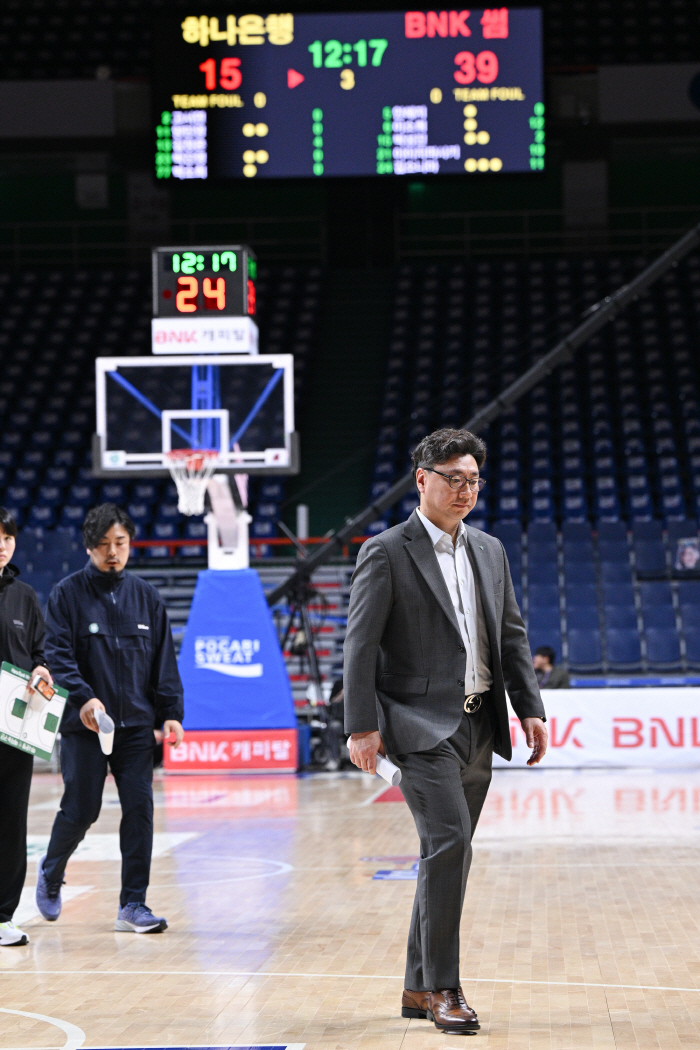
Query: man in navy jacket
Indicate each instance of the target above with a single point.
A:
(108, 642)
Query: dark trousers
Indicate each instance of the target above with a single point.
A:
(445, 789)
(15, 782)
(84, 769)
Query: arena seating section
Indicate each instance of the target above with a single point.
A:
(52, 326)
(591, 479)
(74, 38)
(594, 476)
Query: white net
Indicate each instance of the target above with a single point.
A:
(191, 470)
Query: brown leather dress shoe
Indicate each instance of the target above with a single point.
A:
(448, 1009)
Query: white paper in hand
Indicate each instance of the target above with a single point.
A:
(105, 726)
(387, 770)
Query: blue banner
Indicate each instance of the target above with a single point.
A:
(230, 662)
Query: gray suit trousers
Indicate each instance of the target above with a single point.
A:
(445, 789)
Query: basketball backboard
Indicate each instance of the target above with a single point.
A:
(241, 406)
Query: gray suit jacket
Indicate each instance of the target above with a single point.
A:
(404, 655)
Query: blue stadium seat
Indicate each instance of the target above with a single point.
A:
(18, 495)
(576, 532)
(21, 558)
(144, 492)
(42, 517)
(656, 592)
(578, 550)
(49, 496)
(612, 532)
(508, 532)
(692, 647)
(164, 530)
(690, 616)
(615, 572)
(681, 530)
(579, 572)
(545, 636)
(156, 553)
(542, 532)
(113, 492)
(585, 652)
(42, 582)
(659, 616)
(689, 592)
(28, 541)
(581, 594)
(620, 617)
(623, 649)
(650, 557)
(543, 594)
(544, 618)
(542, 551)
(646, 530)
(582, 617)
(195, 529)
(81, 494)
(140, 512)
(168, 512)
(617, 594)
(663, 649)
(49, 560)
(543, 572)
(72, 515)
(77, 560)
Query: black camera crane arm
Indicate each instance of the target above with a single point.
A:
(595, 318)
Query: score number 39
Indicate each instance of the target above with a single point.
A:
(482, 67)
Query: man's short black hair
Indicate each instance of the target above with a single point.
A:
(445, 443)
(7, 523)
(546, 650)
(99, 520)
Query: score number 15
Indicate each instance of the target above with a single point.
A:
(339, 55)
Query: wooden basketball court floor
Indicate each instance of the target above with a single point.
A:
(288, 901)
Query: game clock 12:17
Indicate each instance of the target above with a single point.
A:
(192, 281)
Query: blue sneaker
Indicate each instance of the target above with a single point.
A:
(48, 894)
(138, 918)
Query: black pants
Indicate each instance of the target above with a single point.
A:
(84, 769)
(15, 782)
(445, 789)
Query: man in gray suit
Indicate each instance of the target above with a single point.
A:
(434, 640)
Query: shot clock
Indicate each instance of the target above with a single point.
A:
(370, 93)
(212, 282)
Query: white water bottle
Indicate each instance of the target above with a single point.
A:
(105, 727)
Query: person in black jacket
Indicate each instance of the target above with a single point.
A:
(22, 644)
(109, 644)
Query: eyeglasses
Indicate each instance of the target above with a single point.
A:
(458, 481)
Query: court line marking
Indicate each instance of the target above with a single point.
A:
(282, 869)
(332, 976)
(75, 1037)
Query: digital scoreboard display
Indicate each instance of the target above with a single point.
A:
(216, 280)
(374, 93)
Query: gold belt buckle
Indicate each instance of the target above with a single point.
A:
(472, 703)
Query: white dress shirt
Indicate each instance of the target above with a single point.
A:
(456, 569)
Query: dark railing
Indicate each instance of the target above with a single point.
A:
(538, 231)
(255, 542)
(108, 242)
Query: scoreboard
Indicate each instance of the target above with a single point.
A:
(217, 281)
(372, 93)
